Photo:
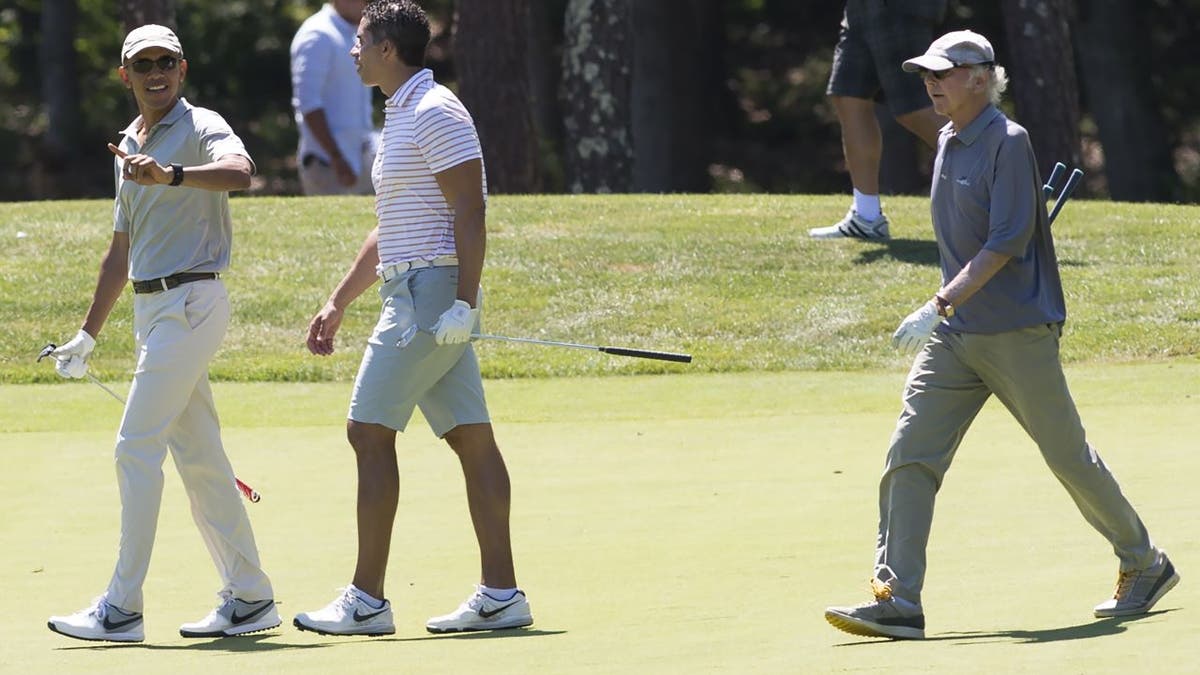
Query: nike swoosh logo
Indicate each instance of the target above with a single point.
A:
(258, 612)
(363, 617)
(113, 625)
(487, 615)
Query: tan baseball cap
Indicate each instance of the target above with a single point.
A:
(960, 48)
(150, 35)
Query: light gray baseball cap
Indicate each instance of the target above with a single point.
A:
(150, 35)
(960, 48)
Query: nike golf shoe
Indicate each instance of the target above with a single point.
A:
(483, 612)
(101, 621)
(348, 614)
(234, 616)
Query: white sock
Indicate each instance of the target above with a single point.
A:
(367, 597)
(867, 206)
(501, 594)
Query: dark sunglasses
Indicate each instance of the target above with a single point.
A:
(164, 63)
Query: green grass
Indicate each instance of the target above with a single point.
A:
(732, 279)
(682, 524)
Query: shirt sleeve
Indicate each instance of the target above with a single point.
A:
(1013, 215)
(217, 139)
(445, 136)
(311, 58)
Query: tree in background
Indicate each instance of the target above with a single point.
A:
(490, 57)
(675, 81)
(60, 92)
(1042, 70)
(725, 95)
(1117, 65)
(598, 143)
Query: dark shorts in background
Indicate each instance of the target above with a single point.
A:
(876, 37)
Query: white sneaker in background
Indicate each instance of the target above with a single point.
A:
(854, 226)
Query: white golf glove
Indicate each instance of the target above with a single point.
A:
(71, 358)
(916, 328)
(455, 324)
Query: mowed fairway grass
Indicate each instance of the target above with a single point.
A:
(663, 524)
(667, 518)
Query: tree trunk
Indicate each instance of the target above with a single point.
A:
(60, 83)
(675, 45)
(596, 92)
(490, 57)
(545, 72)
(1042, 72)
(1112, 55)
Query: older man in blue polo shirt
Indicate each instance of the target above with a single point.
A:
(175, 165)
(993, 328)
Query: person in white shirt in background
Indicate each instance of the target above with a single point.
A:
(333, 109)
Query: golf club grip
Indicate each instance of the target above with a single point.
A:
(1072, 183)
(644, 354)
(1055, 174)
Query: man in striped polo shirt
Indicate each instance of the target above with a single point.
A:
(428, 249)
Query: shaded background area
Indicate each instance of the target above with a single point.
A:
(700, 95)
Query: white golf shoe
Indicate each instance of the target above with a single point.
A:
(483, 612)
(348, 614)
(884, 616)
(234, 616)
(854, 226)
(101, 621)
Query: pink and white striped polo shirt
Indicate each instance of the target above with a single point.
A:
(426, 130)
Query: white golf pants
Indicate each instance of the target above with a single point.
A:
(170, 405)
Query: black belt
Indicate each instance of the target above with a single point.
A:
(167, 283)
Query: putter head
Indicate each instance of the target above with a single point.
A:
(46, 351)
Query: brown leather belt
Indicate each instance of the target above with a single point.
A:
(167, 283)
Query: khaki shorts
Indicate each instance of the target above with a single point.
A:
(443, 380)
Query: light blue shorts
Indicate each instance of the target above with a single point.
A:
(443, 380)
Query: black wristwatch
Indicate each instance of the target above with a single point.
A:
(178, 178)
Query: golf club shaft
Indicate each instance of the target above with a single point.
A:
(247, 491)
(616, 351)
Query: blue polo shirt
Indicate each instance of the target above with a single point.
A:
(987, 194)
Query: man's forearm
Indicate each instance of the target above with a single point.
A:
(318, 124)
(470, 239)
(229, 173)
(973, 276)
(361, 275)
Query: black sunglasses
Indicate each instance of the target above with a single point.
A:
(164, 63)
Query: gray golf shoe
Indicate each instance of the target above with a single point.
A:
(1138, 590)
(885, 616)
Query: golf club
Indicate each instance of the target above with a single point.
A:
(1068, 189)
(409, 334)
(247, 491)
(1055, 174)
